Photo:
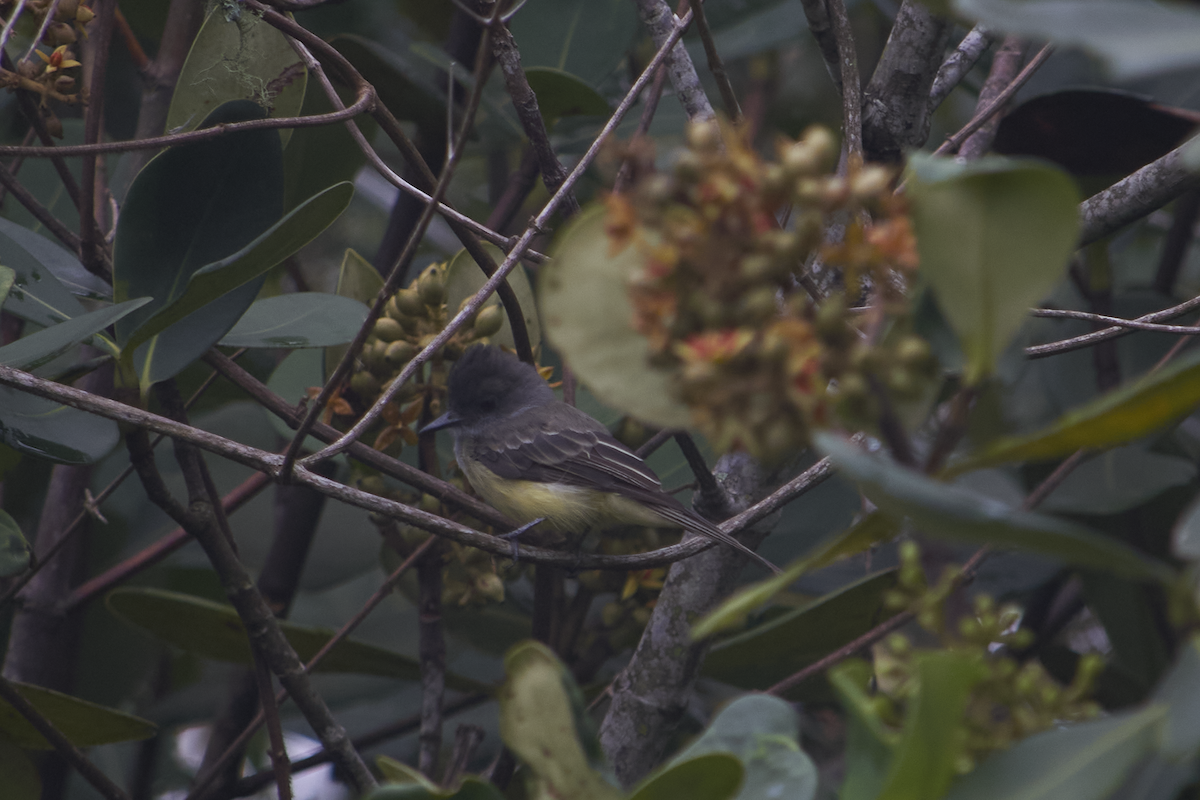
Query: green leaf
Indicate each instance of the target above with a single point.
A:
(7, 278)
(561, 94)
(1179, 691)
(214, 283)
(36, 294)
(924, 759)
(30, 352)
(1118, 480)
(48, 430)
(291, 380)
(714, 776)
(14, 549)
(1122, 415)
(994, 238)
(237, 57)
(587, 38)
(320, 156)
(871, 530)
(191, 206)
(405, 85)
(213, 630)
(471, 788)
(18, 775)
(1134, 39)
(358, 280)
(585, 308)
(60, 262)
(85, 724)
(1080, 762)
(770, 652)
(306, 319)
(1130, 614)
(544, 722)
(957, 514)
(464, 278)
(869, 746)
(764, 733)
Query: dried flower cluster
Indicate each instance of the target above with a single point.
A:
(1008, 700)
(725, 238)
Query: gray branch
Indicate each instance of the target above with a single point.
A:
(958, 64)
(660, 22)
(896, 104)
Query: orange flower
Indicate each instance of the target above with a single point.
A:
(714, 347)
(894, 239)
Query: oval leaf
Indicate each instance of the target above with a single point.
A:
(764, 733)
(994, 238)
(45, 429)
(237, 56)
(585, 308)
(190, 207)
(561, 94)
(30, 352)
(305, 319)
(60, 262)
(714, 776)
(85, 724)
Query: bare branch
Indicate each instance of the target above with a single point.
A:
(816, 12)
(896, 105)
(715, 65)
(662, 24)
(852, 98)
(958, 64)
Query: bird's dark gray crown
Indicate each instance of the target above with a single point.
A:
(487, 380)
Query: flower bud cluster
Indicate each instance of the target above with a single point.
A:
(48, 75)
(1009, 699)
(724, 238)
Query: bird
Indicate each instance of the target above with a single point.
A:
(536, 458)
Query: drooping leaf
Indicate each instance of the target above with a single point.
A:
(770, 652)
(764, 733)
(36, 294)
(191, 206)
(48, 430)
(872, 529)
(306, 319)
(1133, 38)
(1120, 416)
(14, 549)
(713, 776)
(1086, 761)
(237, 56)
(60, 262)
(32, 351)
(464, 278)
(584, 304)
(544, 721)
(955, 513)
(212, 630)
(85, 724)
(561, 94)
(994, 237)
(925, 757)
(1118, 480)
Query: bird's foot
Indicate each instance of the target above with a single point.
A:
(512, 536)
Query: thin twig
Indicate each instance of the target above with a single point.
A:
(73, 755)
(715, 65)
(1133, 324)
(952, 144)
(91, 238)
(662, 24)
(1087, 339)
(1006, 65)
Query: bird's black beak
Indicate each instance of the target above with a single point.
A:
(447, 420)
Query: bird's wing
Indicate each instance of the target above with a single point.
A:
(581, 454)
